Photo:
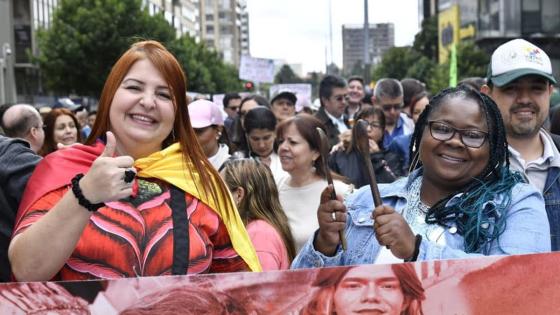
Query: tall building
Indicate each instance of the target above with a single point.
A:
(225, 27)
(381, 38)
(426, 8)
(183, 15)
(244, 35)
(498, 21)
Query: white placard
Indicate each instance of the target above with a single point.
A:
(256, 69)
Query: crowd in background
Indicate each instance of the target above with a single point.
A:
(473, 170)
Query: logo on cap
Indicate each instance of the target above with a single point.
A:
(534, 54)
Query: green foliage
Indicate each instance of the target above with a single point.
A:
(420, 60)
(426, 41)
(205, 71)
(286, 75)
(86, 38)
(395, 63)
(471, 60)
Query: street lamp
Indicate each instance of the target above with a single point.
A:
(6, 52)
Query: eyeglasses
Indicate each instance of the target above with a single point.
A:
(389, 107)
(374, 124)
(470, 137)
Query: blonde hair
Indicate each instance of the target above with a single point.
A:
(260, 201)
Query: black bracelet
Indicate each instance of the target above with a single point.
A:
(92, 207)
(417, 243)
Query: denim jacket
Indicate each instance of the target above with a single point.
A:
(552, 200)
(526, 229)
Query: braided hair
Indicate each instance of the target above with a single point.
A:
(479, 220)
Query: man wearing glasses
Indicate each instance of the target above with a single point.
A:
(520, 80)
(388, 94)
(231, 103)
(23, 121)
(333, 92)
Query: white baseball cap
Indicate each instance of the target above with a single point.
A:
(518, 58)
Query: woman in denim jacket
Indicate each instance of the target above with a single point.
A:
(460, 201)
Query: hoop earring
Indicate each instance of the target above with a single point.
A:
(414, 162)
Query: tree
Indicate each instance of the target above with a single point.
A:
(426, 41)
(86, 38)
(396, 62)
(421, 60)
(471, 60)
(286, 75)
(205, 71)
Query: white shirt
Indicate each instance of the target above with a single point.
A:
(220, 157)
(536, 171)
(338, 122)
(300, 205)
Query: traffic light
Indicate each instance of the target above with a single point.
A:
(249, 86)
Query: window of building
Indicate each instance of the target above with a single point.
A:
(550, 16)
(530, 16)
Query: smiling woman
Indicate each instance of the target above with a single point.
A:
(461, 200)
(60, 127)
(174, 215)
(299, 151)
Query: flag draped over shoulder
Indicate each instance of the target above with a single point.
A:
(57, 170)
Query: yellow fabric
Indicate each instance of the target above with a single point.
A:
(169, 166)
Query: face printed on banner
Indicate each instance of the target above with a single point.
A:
(366, 291)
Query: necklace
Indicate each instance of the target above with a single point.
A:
(415, 214)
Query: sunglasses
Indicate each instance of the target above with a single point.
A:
(389, 107)
(340, 98)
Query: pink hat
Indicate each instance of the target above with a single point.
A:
(204, 113)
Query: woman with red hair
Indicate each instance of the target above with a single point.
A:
(140, 198)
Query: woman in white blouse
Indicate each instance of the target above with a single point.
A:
(300, 192)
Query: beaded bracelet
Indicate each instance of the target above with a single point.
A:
(92, 207)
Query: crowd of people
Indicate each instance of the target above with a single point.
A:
(152, 183)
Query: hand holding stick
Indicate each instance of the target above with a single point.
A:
(324, 155)
(362, 140)
(361, 136)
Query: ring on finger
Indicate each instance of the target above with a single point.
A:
(129, 176)
(333, 216)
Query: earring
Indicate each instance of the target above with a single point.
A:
(414, 162)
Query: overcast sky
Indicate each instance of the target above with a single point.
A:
(298, 30)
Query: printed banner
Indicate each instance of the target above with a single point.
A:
(526, 284)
